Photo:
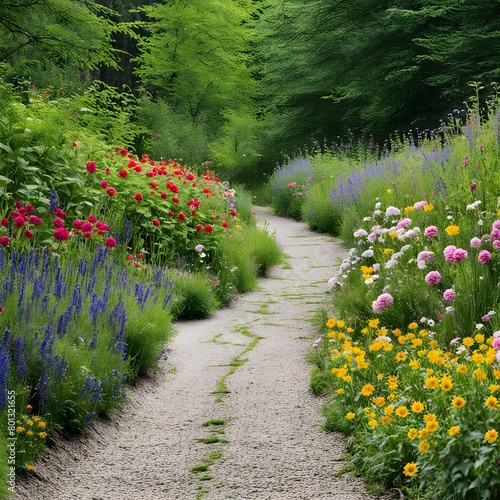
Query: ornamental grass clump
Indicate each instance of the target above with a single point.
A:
(425, 414)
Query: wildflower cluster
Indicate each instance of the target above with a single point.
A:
(419, 409)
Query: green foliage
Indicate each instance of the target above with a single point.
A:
(319, 212)
(194, 297)
(264, 249)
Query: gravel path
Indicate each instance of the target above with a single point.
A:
(229, 416)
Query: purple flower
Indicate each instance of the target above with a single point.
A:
(433, 278)
(425, 255)
(383, 301)
(496, 343)
(402, 224)
(431, 231)
(449, 295)
(484, 256)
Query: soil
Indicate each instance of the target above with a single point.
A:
(229, 415)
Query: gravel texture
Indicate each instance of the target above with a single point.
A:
(232, 398)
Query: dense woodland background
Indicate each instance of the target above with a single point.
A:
(248, 84)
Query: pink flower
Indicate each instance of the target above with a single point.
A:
(431, 231)
(91, 167)
(475, 242)
(36, 221)
(448, 253)
(19, 221)
(496, 244)
(92, 218)
(496, 224)
(449, 295)
(28, 233)
(402, 224)
(61, 234)
(392, 211)
(433, 278)
(496, 343)
(459, 255)
(4, 222)
(87, 226)
(383, 301)
(484, 256)
(110, 242)
(425, 255)
(59, 213)
(420, 205)
(4, 241)
(58, 222)
(495, 234)
(473, 186)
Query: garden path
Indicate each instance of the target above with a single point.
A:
(230, 416)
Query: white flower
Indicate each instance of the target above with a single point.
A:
(378, 205)
(479, 326)
(405, 248)
(461, 349)
(366, 219)
(496, 334)
(367, 253)
(431, 322)
(449, 309)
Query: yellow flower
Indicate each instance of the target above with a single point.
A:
(29, 407)
(389, 191)
(373, 323)
(30, 422)
(410, 469)
(432, 425)
(479, 374)
(417, 407)
(373, 423)
(330, 323)
(367, 390)
(43, 435)
(430, 417)
(462, 369)
(409, 209)
(41, 424)
(494, 387)
(431, 382)
(402, 411)
(423, 433)
(428, 207)
(350, 415)
(416, 343)
(389, 409)
(479, 338)
(29, 433)
(468, 341)
(30, 467)
(477, 357)
(413, 326)
(380, 376)
(340, 391)
(412, 433)
(452, 230)
(393, 234)
(446, 383)
(423, 446)
(452, 431)
(388, 251)
(458, 402)
(380, 401)
(491, 402)
(415, 364)
(385, 420)
(19, 429)
(491, 436)
(341, 323)
(401, 356)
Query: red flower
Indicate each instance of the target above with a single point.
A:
(4, 222)
(132, 164)
(58, 222)
(170, 213)
(91, 167)
(19, 221)
(138, 197)
(130, 257)
(175, 199)
(108, 171)
(18, 204)
(233, 213)
(224, 224)
(208, 228)
(193, 213)
(139, 255)
(153, 185)
(87, 234)
(4, 241)
(199, 227)
(163, 195)
(156, 222)
(189, 177)
(123, 173)
(30, 207)
(110, 242)
(181, 216)
(111, 191)
(59, 213)
(36, 221)
(206, 190)
(138, 169)
(102, 227)
(61, 234)
(28, 233)
(104, 184)
(87, 227)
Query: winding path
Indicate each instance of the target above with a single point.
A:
(229, 417)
